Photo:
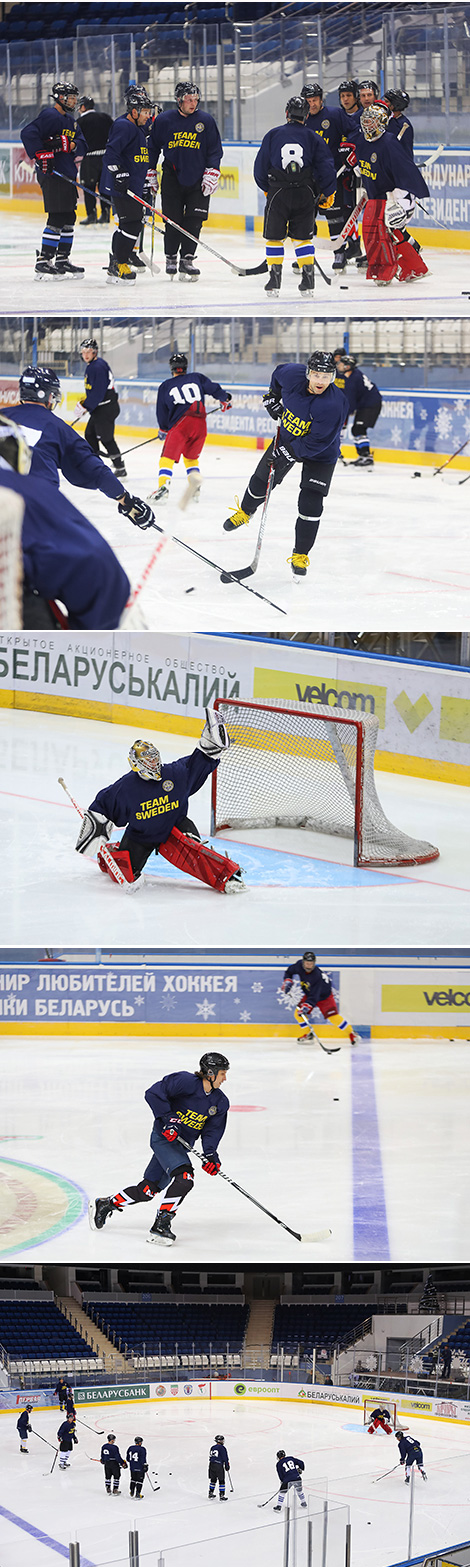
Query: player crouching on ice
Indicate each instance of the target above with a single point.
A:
(411, 1452)
(317, 991)
(157, 819)
(379, 1420)
(188, 1102)
(311, 413)
(392, 180)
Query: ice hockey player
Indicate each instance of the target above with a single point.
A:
(295, 170)
(61, 1391)
(190, 1102)
(182, 420)
(56, 446)
(66, 562)
(411, 1452)
(218, 1467)
(365, 404)
(24, 1427)
(151, 801)
(348, 94)
(310, 412)
(333, 125)
(379, 1420)
(95, 127)
(368, 92)
(192, 151)
(101, 403)
(399, 125)
(290, 1471)
(69, 1404)
(317, 992)
(112, 1464)
(54, 141)
(125, 170)
(391, 180)
(66, 1437)
(136, 1457)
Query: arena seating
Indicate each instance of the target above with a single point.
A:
(159, 1325)
(37, 1330)
(315, 1326)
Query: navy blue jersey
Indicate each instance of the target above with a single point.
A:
(61, 1389)
(56, 446)
(41, 133)
(151, 807)
(400, 127)
(358, 390)
(126, 148)
(312, 422)
(219, 1455)
(386, 165)
(189, 142)
(329, 124)
(98, 384)
(200, 1114)
(316, 986)
(181, 394)
(64, 556)
(66, 1436)
(137, 1458)
(295, 144)
(410, 1449)
(289, 1470)
(351, 122)
(110, 1454)
(22, 1424)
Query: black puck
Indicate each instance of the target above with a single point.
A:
(225, 576)
(190, 590)
(417, 474)
(344, 287)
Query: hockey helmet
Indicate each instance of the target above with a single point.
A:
(297, 110)
(186, 87)
(14, 447)
(374, 121)
(86, 104)
(351, 85)
(312, 90)
(89, 342)
(322, 362)
(212, 1063)
(137, 98)
(29, 1406)
(145, 760)
(220, 1439)
(281, 1453)
(179, 362)
(348, 359)
(111, 1436)
(139, 1440)
(39, 385)
(309, 957)
(368, 85)
(398, 100)
(61, 91)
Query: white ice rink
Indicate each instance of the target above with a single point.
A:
(341, 1461)
(295, 879)
(218, 291)
(371, 1143)
(390, 548)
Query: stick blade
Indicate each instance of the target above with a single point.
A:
(316, 1235)
(237, 576)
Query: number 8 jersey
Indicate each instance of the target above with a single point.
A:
(184, 394)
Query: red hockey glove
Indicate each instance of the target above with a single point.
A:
(304, 1009)
(44, 160)
(152, 179)
(287, 986)
(348, 152)
(227, 403)
(171, 1128)
(211, 1164)
(209, 181)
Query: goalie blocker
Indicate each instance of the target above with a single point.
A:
(156, 818)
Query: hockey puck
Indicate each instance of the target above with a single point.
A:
(417, 475)
(344, 288)
(225, 576)
(190, 590)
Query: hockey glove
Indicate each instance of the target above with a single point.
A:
(79, 412)
(326, 201)
(227, 403)
(92, 829)
(303, 1010)
(44, 161)
(273, 405)
(138, 511)
(152, 180)
(214, 738)
(399, 208)
(211, 1164)
(209, 182)
(121, 178)
(64, 141)
(287, 986)
(171, 1128)
(348, 152)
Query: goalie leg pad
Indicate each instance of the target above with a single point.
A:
(198, 860)
(379, 246)
(121, 858)
(409, 263)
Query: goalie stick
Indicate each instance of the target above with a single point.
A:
(249, 571)
(114, 870)
(316, 1235)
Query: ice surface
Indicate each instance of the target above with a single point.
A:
(53, 896)
(218, 290)
(339, 1458)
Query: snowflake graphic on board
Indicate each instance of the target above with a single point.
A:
(443, 421)
(395, 435)
(139, 1001)
(423, 415)
(236, 1001)
(205, 1009)
(467, 426)
(245, 1017)
(460, 405)
(257, 987)
(167, 1003)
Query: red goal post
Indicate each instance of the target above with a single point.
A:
(380, 1401)
(297, 764)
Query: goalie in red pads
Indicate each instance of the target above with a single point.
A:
(151, 802)
(392, 180)
(380, 1419)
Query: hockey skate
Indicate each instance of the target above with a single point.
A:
(187, 269)
(340, 260)
(300, 564)
(307, 281)
(160, 496)
(161, 1233)
(119, 272)
(353, 250)
(65, 268)
(366, 461)
(171, 266)
(120, 468)
(237, 518)
(99, 1210)
(273, 286)
(45, 268)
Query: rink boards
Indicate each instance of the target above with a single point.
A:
(421, 1407)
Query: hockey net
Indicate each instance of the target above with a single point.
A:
(380, 1401)
(11, 560)
(293, 764)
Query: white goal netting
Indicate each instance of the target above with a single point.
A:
(11, 560)
(293, 764)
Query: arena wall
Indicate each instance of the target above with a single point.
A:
(423, 1408)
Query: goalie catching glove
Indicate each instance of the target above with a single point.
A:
(214, 738)
(399, 208)
(138, 511)
(92, 829)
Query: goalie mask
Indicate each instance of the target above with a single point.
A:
(374, 122)
(14, 449)
(145, 760)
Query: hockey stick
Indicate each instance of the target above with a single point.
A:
(152, 1487)
(249, 571)
(54, 1461)
(270, 1499)
(87, 1427)
(451, 459)
(78, 186)
(317, 1235)
(387, 1472)
(239, 271)
(227, 576)
(44, 1439)
(146, 573)
(114, 870)
(350, 224)
(230, 1479)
